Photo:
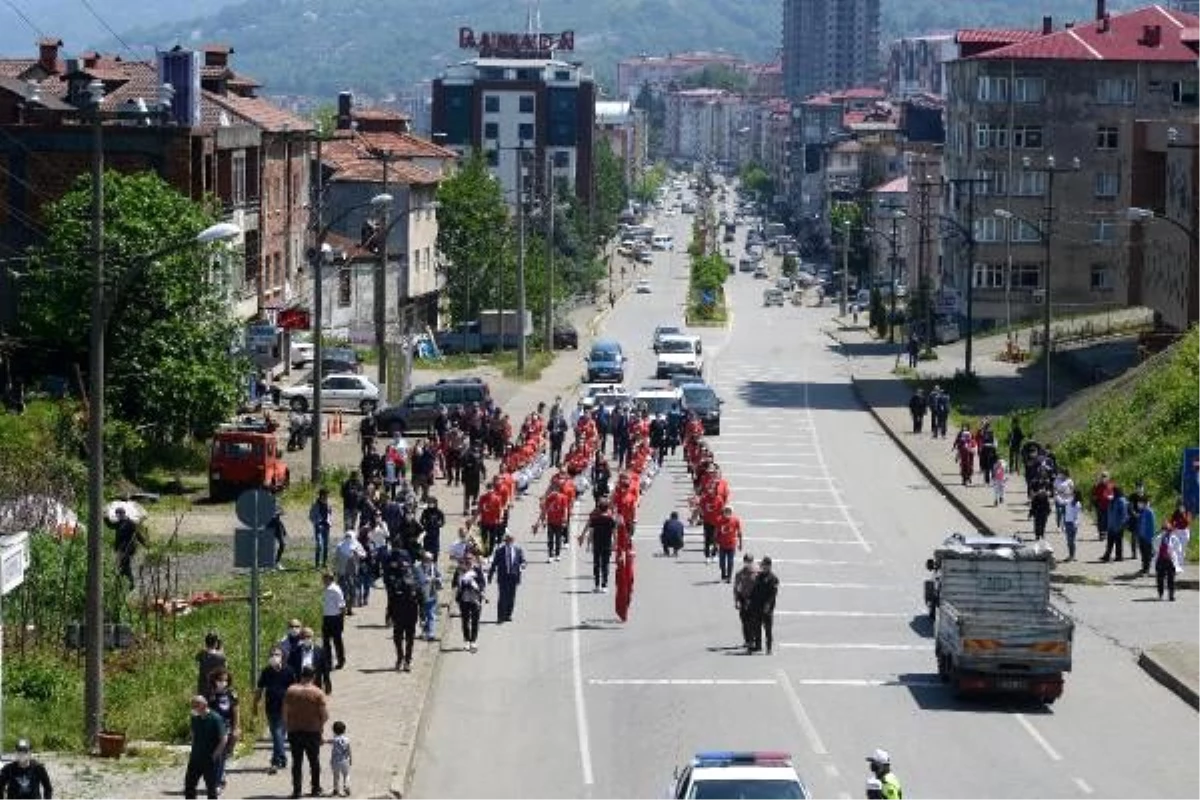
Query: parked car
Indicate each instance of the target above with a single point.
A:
(564, 335)
(345, 391)
(608, 394)
(244, 457)
(340, 359)
(419, 408)
(301, 353)
(643, 286)
(773, 297)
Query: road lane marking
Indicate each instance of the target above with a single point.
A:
(831, 770)
(869, 682)
(725, 464)
(763, 504)
(776, 476)
(872, 586)
(778, 490)
(852, 646)
(825, 468)
(786, 540)
(1037, 737)
(806, 723)
(864, 614)
(822, 561)
(581, 723)
(792, 521)
(1083, 785)
(681, 681)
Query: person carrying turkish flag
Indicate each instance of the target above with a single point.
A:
(625, 564)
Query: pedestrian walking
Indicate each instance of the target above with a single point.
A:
(1169, 547)
(367, 430)
(25, 776)
(429, 577)
(333, 620)
(340, 760)
(1146, 531)
(1116, 516)
(1064, 493)
(224, 701)
(305, 712)
(348, 557)
(404, 609)
(433, 519)
(320, 514)
(279, 531)
(999, 481)
(307, 653)
(273, 682)
(208, 661)
(1072, 515)
(508, 562)
(913, 349)
(490, 511)
(469, 585)
(1102, 495)
(128, 536)
(353, 494)
(1039, 511)
(558, 434)
(881, 767)
(729, 540)
(743, 586)
(762, 605)
(1016, 437)
(208, 746)
(940, 408)
(672, 535)
(964, 453)
(917, 406)
(600, 532)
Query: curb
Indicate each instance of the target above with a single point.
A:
(402, 778)
(1150, 663)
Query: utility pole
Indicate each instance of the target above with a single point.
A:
(968, 231)
(549, 338)
(94, 616)
(892, 258)
(380, 291)
(925, 282)
(318, 264)
(845, 267)
(521, 355)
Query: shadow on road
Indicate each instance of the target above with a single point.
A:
(798, 394)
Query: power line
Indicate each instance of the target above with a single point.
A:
(88, 5)
(26, 19)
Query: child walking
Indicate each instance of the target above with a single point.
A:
(999, 477)
(340, 760)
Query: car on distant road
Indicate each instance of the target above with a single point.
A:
(418, 410)
(661, 331)
(761, 272)
(701, 399)
(643, 286)
(346, 391)
(773, 297)
(564, 335)
(725, 774)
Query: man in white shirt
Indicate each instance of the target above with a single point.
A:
(1064, 493)
(333, 620)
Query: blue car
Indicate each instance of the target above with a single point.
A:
(606, 362)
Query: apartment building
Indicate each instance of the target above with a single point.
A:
(1044, 120)
(829, 44)
(660, 72)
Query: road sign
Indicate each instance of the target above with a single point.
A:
(255, 507)
(1189, 479)
(245, 551)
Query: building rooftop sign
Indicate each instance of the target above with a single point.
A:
(515, 45)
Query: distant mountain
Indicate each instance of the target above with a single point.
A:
(318, 47)
(71, 21)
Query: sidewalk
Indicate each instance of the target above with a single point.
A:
(1105, 596)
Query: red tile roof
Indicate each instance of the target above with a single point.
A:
(995, 35)
(862, 93)
(894, 186)
(1122, 39)
(385, 114)
(255, 111)
(350, 155)
(403, 145)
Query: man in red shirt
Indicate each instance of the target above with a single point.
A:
(490, 512)
(729, 540)
(710, 508)
(1102, 495)
(625, 503)
(556, 513)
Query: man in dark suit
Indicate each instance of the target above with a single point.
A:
(508, 561)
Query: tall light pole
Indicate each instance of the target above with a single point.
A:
(521, 354)
(549, 343)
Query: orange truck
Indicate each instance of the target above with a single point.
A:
(245, 457)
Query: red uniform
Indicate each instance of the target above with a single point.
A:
(729, 532)
(556, 507)
(491, 507)
(508, 487)
(625, 503)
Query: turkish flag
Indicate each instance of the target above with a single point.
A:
(625, 561)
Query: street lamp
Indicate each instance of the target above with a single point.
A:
(321, 255)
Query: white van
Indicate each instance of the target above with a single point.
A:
(663, 242)
(679, 353)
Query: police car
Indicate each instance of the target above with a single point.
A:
(757, 775)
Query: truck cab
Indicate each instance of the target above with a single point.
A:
(245, 457)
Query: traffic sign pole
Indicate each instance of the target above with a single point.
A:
(255, 507)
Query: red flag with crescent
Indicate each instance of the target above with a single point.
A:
(625, 563)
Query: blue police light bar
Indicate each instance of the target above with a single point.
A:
(726, 758)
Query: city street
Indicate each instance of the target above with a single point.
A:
(566, 701)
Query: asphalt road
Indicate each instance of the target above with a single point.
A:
(568, 702)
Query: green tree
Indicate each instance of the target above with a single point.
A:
(655, 108)
(755, 179)
(169, 369)
(611, 192)
(645, 191)
(475, 237)
(718, 76)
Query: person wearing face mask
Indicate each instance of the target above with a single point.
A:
(273, 683)
(208, 661)
(308, 653)
(290, 640)
(224, 701)
(208, 746)
(25, 776)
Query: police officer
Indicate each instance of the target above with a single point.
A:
(881, 766)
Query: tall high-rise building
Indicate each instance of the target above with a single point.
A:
(829, 44)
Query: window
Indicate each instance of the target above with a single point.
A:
(1107, 184)
(493, 158)
(1185, 93)
(491, 104)
(992, 90)
(1104, 230)
(1029, 184)
(989, 229)
(562, 159)
(996, 183)
(1106, 138)
(344, 284)
(990, 135)
(988, 276)
(562, 75)
(525, 104)
(1029, 90)
(237, 191)
(1102, 278)
(491, 130)
(1023, 232)
(1025, 276)
(1027, 137)
(1116, 91)
(525, 132)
